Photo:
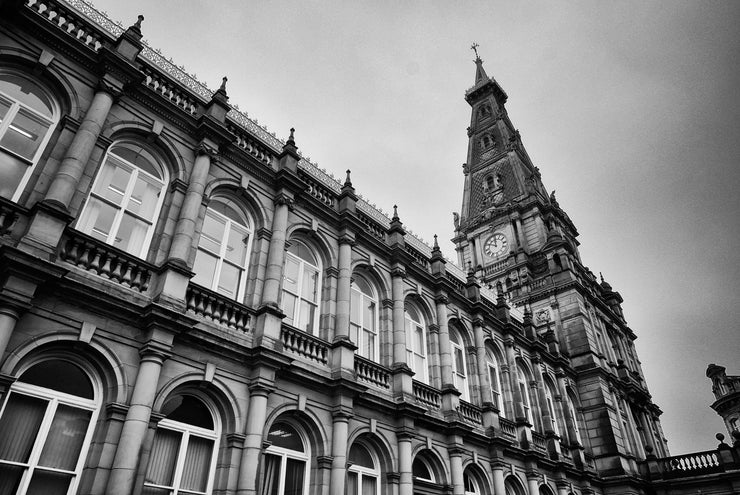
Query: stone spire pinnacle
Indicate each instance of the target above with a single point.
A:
(480, 72)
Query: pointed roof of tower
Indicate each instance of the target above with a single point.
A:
(482, 80)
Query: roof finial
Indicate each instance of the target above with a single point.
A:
(474, 47)
(436, 244)
(223, 84)
(291, 138)
(395, 212)
(347, 181)
(602, 277)
(137, 24)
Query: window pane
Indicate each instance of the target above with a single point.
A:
(294, 477)
(131, 234)
(163, 457)
(368, 347)
(290, 277)
(354, 306)
(144, 197)
(228, 283)
(204, 268)
(289, 308)
(26, 92)
(197, 464)
(189, 410)
(236, 249)
(64, 442)
(98, 219)
(285, 436)
(212, 233)
(19, 426)
(419, 367)
(354, 333)
(49, 483)
(25, 134)
(271, 478)
(419, 342)
(4, 107)
(459, 362)
(359, 456)
(368, 318)
(352, 488)
(150, 490)
(113, 180)
(310, 284)
(59, 375)
(308, 311)
(420, 470)
(10, 477)
(11, 173)
(368, 485)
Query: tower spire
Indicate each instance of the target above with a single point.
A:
(480, 72)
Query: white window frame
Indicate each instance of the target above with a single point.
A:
(524, 387)
(84, 224)
(285, 454)
(433, 479)
(221, 255)
(361, 324)
(5, 123)
(186, 431)
(299, 296)
(476, 488)
(459, 377)
(493, 376)
(362, 471)
(411, 351)
(54, 398)
(551, 409)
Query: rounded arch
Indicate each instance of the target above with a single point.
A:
(310, 425)
(546, 490)
(462, 330)
(428, 313)
(514, 485)
(316, 241)
(478, 476)
(433, 460)
(142, 134)
(215, 393)
(61, 88)
(231, 188)
(380, 444)
(364, 269)
(55, 343)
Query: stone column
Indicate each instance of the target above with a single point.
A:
(499, 488)
(256, 417)
(344, 283)
(406, 482)
(445, 350)
(339, 451)
(8, 318)
(568, 413)
(276, 254)
(73, 165)
(516, 395)
(545, 416)
(456, 471)
(182, 240)
(136, 424)
(533, 483)
(402, 375)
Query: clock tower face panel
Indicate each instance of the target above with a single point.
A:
(496, 245)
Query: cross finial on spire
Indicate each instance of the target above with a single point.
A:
(474, 47)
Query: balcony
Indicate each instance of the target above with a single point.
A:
(370, 372)
(427, 396)
(304, 345)
(218, 308)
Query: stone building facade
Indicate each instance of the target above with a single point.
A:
(189, 306)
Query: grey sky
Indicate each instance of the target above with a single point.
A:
(630, 110)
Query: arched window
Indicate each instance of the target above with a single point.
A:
(459, 365)
(223, 249)
(551, 409)
(45, 429)
(494, 381)
(183, 459)
(286, 462)
(125, 199)
(416, 343)
(301, 288)
(422, 470)
(574, 417)
(27, 117)
(363, 473)
(513, 486)
(364, 318)
(471, 484)
(523, 381)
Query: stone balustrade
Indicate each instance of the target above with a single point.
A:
(251, 145)
(507, 429)
(371, 227)
(67, 21)
(169, 91)
(304, 344)
(371, 372)
(104, 260)
(427, 395)
(418, 257)
(470, 413)
(218, 308)
(539, 442)
(693, 464)
(458, 285)
(319, 191)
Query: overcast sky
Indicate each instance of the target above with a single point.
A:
(629, 109)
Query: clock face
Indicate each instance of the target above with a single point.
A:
(496, 245)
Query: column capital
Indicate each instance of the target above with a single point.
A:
(259, 387)
(393, 478)
(155, 351)
(456, 451)
(433, 328)
(478, 322)
(347, 238)
(283, 198)
(204, 148)
(441, 299)
(387, 303)
(398, 271)
(324, 461)
(264, 233)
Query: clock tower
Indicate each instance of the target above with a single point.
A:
(515, 237)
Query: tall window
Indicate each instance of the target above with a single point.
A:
(45, 429)
(183, 457)
(422, 470)
(574, 418)
(364, 318)
(494, 381)
(221, 260)
(363, 473)
(125, 199)
(524, 390)
(416, 345)
(471, 485)
(27, 117)
(286, 460)
(301, 288)
(551, 409)
(459, 375)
